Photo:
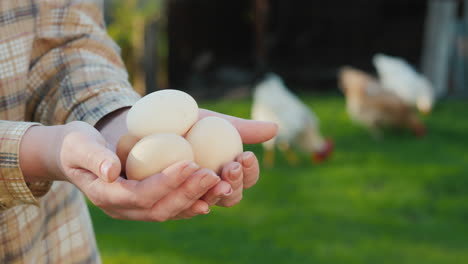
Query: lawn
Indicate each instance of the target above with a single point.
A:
(396, 200)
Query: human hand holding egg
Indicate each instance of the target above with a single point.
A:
(85, 156)
(163, 117)
(182, 190)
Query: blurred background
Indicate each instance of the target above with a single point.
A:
(377, 197)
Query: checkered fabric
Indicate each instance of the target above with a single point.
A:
(57, 64)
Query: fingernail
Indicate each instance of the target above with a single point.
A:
(235, 172)
(207, 211)
(247, 159)
(105, 167)
(229, 192)
(208, 180)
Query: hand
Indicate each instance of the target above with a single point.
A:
(244, 172)
(113, 126)
(236, 176)
(77, 153)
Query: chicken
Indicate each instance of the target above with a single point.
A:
(397, 76)
(367, 103)
(297, 124)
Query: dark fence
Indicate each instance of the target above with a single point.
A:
(213, 43)
(216, 48)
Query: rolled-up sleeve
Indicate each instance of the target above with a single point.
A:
(13, 189)
(77, 72)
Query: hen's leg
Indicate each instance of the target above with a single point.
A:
(291, 157)
(269, 153)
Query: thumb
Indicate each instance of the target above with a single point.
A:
(96, 158)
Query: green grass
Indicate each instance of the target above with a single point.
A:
(397, 200)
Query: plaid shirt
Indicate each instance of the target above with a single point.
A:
(57, 64)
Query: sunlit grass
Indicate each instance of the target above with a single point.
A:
(397, 200)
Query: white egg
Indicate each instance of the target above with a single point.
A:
(154, 153)
(163, 111)
(215, 142)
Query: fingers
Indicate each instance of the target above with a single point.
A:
(198, 208)
(79, 151)
(251, 131)
(139, 194)
(170, 195)
(233, 174)
(214, 195)
(182, 198)
(250, 167)
(239, 175)
(181, 203)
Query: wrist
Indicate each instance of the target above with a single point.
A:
(113, 126)
(37, 155)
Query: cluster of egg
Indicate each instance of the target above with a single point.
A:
(164, 129)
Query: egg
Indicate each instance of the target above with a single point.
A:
(163, 111)
(215, 142)
(154, 153)
(125, 144)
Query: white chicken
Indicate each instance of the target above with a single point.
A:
(399, 77)
(297, 124)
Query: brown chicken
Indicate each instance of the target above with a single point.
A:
(367, 103)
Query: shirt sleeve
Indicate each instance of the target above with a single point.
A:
(76, 71)
(13, 189)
